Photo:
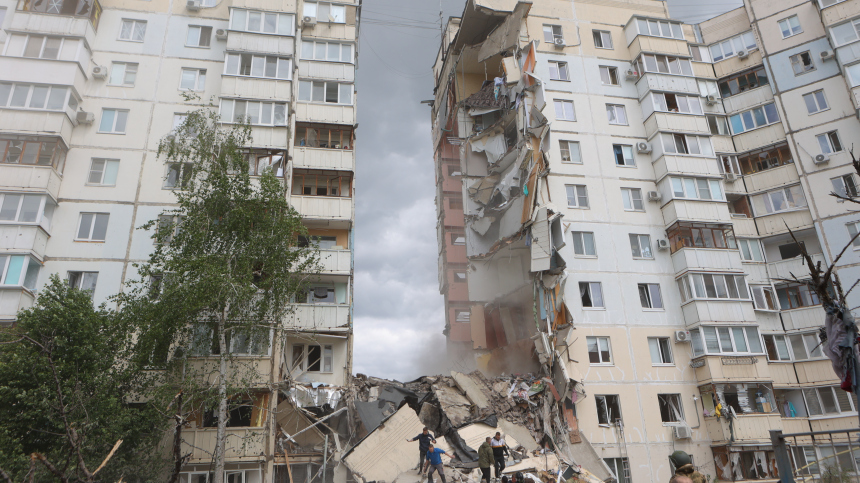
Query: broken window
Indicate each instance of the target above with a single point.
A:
(801, 63)
(845, 185)
(551, 33)
(829, 142)
(795, 296)
(602, 39)
(312, 357)
(649, 296)
(609, 75)
(459, 276)
(743, 82)
(608, 409)
(763, 297)
(741, 398)
(591, 294)
(687, 144)
(462, 316)
(583, 243)
(78, 280)
(577, 196)
(719, 127)
(458, 239)
(599, 351)
(700, 235)
(617, 114)
(322, 183)
(623, 155)
(329, 136)
(570, 152)
(670, 408)
(661, 350)
(776, 347)
(620, 468)
(454, 170)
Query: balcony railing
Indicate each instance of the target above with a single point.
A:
(89, 9)
(817, 456)
(792, 267)
(243, 444)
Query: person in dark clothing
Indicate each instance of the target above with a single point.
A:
(486, 459)
(500, 451)
(424, 440)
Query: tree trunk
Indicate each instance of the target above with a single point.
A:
(221, 436)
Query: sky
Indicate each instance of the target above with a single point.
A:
(399, 315)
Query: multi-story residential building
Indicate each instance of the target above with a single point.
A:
(620, 186)
(87, 90)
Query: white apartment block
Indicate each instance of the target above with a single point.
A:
(620, 186)
(87, 90)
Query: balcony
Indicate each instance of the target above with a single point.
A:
(37, 71)
(736, 64)
(706, 259)
(775, 224)
(748, 99)
(703, 70)
(30, 178)
(783, 269)
(13, 300)
(243, 444)
(803, 318)
(319, 317)
(688, 210)
(20, 238)
(330, 31)
(675, 122)
(795, 425)
(33, 122)
(326, 113)
(718, 310)
(239, 366)
(748, 428)
(757, 138)
(723, 144)
(744, 227)
(336, 261)
(327, 70)
(815, 372)
(324, 207)
(256, 88)
(725, 369)
(782, 374)
(685, 165)
(323, 158)
(30, 20)
(835, 424)
(661, 82)
(260, 43)
(658, 45)
(273, 137)
(771, 178)
(839, 12)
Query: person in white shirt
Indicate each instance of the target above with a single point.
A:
(500, 451)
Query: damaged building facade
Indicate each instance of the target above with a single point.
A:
(615, 191)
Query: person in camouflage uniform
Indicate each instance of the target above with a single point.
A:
(684, 467)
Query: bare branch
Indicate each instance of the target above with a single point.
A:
(60, 476)
(5, 475)
(108, 457)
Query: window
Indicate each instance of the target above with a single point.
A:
(193, 80)
(198, 36)
(620, 468)
(564, 110)
(591, 294)
(583, 244)
(763, 297)
(462, 316)
(325, 12)
(312, 357)
(845, 33)
(259, 66)
(815, 102)
(178, 175)
(113, 121)
(640, 245)
(261, 22)
(20, 208)
(459, 276)
(670, 408)
(829, 142)
(623, 155)
(795, 296)
(713, 286)
(558, 71)
(805, 346)
(852, 231)
(167, 227)
(609, 75)
(664, 64)
(255, 112)
(103, 172)
(617, 114)
(718, 125)
(764, 159)
(750, 250)
(743, 82)
(52, 98)
(30, 150)
(776, 348)
(329, 136)
(731, 47)
(122, 74)
(577, 196)
(700, 53)
(801, 63)
(754, 118)
(845, 185)
(602, 39)
(827, 400)
(661, 350)
(687, 144)
(700, 235)
(570, 152)
(92, 227)
(632, 199)
(649, 296)
(328, 92)
(326, 294)
(132, 30)
(551, 33)
(608, 409)
(783, 199)
(41, 47)
(330, 51)
(696, 189)
(659, 28)
(19, 270)
(726, 340)
(83, 280)
(676, 103)
(458, 239)
(729, 164)
(327, 183)
(790, 26)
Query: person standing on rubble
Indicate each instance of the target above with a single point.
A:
(434, 463)
(424, 440)
(500, 451)
(486, 460)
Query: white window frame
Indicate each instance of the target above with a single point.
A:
(558, 70)
(777, 339)
(561, 106)
(760, 299)
(701, 143)
(24, 277)
(570, 147)
(700, 53)
(551, 33)
(853, 227)
(581, 240)
(631, 198)
(815, 392)
(593, 288)
(686, 104)
(750, 250)
(853, 25)
(182, 178)
(201, 30)
(236, 20)
(43, 44)
(826, 142)
(642, 243)
(659, 28)
(599, 342)
(199, 79)
(94, 217)
(311, 9)
(305, 364)
(116, 117)
(129, 71)
(670, 64)
(692, 189)
(308, 86)
(619, 468)
(83, 276)
(577, 193)
(275, 106)
(718, 124)
(809, 343)
(315, 49)
(845, 185)
(785, 25)
(796, 61)
(7, 99)
(109, 169)
(749, 118)
(135, 26)
(694, 288)
(652, 297)
(726, 49)
(733, 331)
(616, 115)
(768, 198)
(233, 65)
(664, 351)
(609, 75)
(602, 37)
(627, 157)
(19, 207)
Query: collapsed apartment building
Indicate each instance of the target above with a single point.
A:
(615, 191)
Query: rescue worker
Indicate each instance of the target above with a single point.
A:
(424, 440)
(500, 451)
(684, 467)
(486, 459)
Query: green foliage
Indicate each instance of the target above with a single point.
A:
(62, 362)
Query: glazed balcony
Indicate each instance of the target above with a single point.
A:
(314, 317)
(775, 224)
(731, 369)
(325, 113)
(323, 158)
(736, 64)
(718, 310)
(771, 178)
(59, 18)
(789, 268)
(12, 300)
(712, 259)
(803, 318)
(748, 99)
(748, 428)
(256, 88)
(690, 210)
(238, 41)
(763, 136)
(243, 444)
(37, 179)
(323, 207)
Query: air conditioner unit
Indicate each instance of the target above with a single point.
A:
(559, 42)
(221, 34)
(654, 196)
(820, 158)
(100, 71)
(730, 177)
(826, 55)
(632, 74)
(84, 117)
(710, 99)
(193, 5)
(743, 54)
(682, 336)
(309, 21)
(662, 244)
(683, 432)
(643, 147)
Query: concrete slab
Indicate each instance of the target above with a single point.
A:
(473, 391)
(453, 404)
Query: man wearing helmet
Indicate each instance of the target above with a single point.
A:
(684, 467)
